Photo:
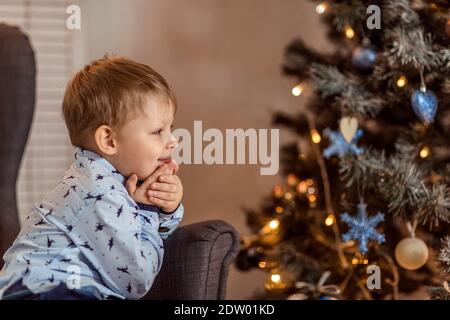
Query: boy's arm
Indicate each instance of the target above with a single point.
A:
(121, 241)
(168, 222)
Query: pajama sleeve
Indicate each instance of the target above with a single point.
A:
(121, 241)
(168, 222)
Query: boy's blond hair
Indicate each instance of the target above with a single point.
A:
(109, 91)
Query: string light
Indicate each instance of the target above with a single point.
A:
(321, 8)
(273, 224)
(279, 209)
(302, 187)
(309, 182)
(315, 136)
(270, 233)
(312, 198)
(402, 81)
(275, 278)
(288, 195)
(268, 264)
(355, 261)
(278, 191)
(349, 32)
(292, 180)
(274, 282)
(297, 90)
(329, 220)
(425, 152)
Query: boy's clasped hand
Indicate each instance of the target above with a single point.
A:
(162, 188)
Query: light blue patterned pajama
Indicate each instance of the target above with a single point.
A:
(89, 226)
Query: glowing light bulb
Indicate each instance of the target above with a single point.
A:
(349, 32)
(315, 136)
(302, 187)
(275, 278)
(402, 81)
(292, 179)
(425, 152)
(288, 195)
(273, 224)
(279, 209)
(321, 8)
(329, 220)
(297, 90)
(354, 261)
(278, 191)
(312, 198)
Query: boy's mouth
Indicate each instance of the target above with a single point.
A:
(165, 160)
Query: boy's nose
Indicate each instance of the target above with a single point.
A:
(173, 142)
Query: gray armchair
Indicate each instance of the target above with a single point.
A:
(196, 262)
(197, 256)
(17, 94)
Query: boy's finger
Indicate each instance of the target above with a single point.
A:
(168, 178)
(161, 195)
(174, 165)
(159, 202)
(152, 178)
(131, 183)
(172, 188)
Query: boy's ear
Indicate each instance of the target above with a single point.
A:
(105, 139)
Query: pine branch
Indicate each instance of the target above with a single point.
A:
(410, 47)
(444, 255)
(298, 57)
(445, 60)
(347, 13)
(355, 101)
(400, 12)
(328, 80)
(350, 98)
(401, 184)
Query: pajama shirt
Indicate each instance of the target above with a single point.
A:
(89, 234)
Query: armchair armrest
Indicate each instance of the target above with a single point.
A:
(196, 262)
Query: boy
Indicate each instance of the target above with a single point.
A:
(98, 235)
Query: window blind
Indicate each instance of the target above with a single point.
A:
(48, 152)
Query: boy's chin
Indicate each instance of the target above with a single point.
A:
(142, 177)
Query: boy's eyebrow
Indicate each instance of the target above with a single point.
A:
(163, 124)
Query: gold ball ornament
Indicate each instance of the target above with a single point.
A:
(411, 253)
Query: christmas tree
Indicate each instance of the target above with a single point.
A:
(366, 188)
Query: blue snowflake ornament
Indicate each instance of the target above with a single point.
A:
(339, 146)
(362, 227)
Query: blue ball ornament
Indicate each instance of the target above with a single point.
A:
(364, 58)
(424, 103)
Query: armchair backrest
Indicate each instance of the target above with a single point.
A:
(17, 99)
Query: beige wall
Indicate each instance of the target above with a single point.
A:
(222, 57)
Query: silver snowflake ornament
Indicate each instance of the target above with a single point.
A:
(362, 227)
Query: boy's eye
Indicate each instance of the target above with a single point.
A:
(161, 130)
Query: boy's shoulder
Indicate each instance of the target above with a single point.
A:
(92, 180)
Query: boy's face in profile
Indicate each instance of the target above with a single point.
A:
(146, 142)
